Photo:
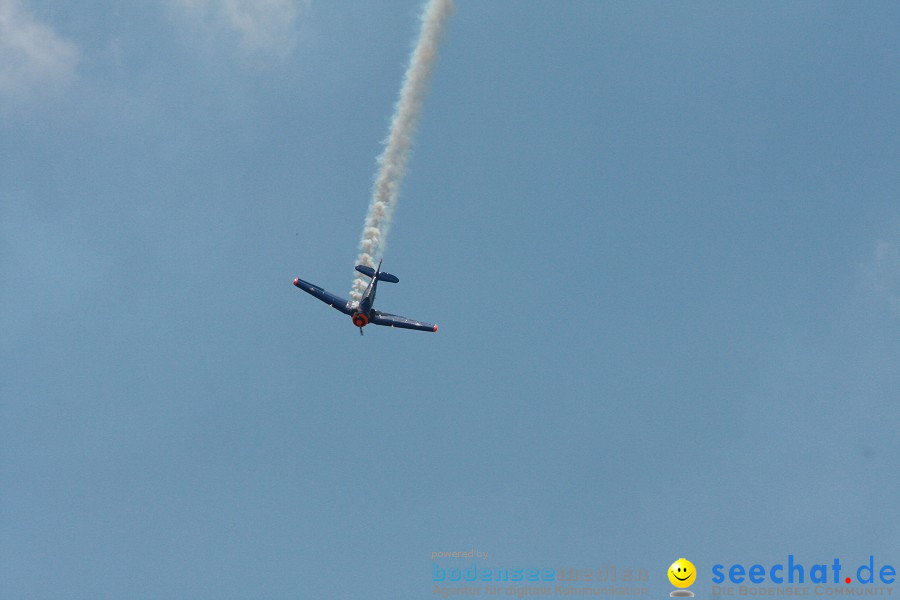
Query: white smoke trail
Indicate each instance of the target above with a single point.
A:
(392, 162)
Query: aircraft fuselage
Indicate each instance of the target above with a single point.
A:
(363, 312)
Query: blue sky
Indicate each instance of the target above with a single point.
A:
(662, 243)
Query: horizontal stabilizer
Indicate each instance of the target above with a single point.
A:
(382, 276)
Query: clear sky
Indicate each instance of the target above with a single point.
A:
(661, 240)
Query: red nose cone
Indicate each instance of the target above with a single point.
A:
(435, 329)
(297, 281)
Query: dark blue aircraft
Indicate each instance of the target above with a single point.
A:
(363, 313)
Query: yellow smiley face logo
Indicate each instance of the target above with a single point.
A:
(682, 573)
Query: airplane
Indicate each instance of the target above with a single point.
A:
(362, 314)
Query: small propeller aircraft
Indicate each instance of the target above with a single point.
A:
(362, 314)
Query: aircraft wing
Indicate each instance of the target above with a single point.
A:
(390, 320)
(327, 297)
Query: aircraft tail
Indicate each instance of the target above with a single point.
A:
(382, 276)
